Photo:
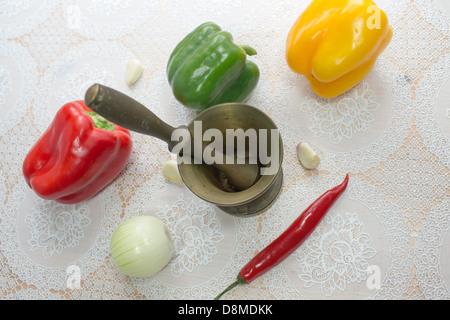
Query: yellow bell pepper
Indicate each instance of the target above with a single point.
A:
(335, 43)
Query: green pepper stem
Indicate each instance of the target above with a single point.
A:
(239, 280)
(249, 50)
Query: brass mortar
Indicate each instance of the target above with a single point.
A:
(205, 182)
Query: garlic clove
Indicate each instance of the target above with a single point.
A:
(307, 156)
(170, 171)
(133, 71)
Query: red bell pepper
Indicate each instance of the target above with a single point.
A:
(77, 156)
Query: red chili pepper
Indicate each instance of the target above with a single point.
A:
(77, 156)
(289, 240)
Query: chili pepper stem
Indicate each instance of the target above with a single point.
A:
(230, 287)
(239, 280)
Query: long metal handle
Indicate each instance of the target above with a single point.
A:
(127, 112)
(130, 114)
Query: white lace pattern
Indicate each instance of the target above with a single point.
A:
(387, 237)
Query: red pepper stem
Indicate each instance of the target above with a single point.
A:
(100, 122)
(239, 280)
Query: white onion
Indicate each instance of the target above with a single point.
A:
(141, 246)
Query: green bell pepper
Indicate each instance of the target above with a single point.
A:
(207, 68)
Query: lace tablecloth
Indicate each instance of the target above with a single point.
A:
(387, 237)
